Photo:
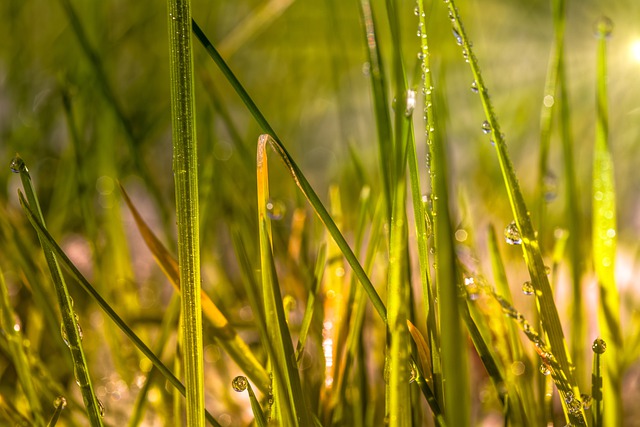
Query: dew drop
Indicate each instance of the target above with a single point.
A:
(512, 234)
(586, 401)
(603, 27)
(416, 11)
(486, 127)
(544, 369)
(17, 165)
(527, 288)
(60, 402)
(457, 35)
(276, 209)
(411, 103)
(599, 346)
(63, 332)
(474, 87)
(239, 383)
(473, 290)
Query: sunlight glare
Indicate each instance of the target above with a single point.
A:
(635, 50)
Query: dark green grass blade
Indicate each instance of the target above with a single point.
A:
(70, 326)
(530, 246)
(604, 240)
(59, 404)
(298, 177)
(104, 305)
(597, 408)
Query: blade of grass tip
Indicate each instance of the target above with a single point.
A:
(604, 239)
(295, 171)
(530, 247)
(287, 389)
(380, 101)
(185, 166)
(59, 404)
(84, 283)
(17, 353)
(71, 331)
(225, 334)
(453, 351)
(241, 384)
(597, 407)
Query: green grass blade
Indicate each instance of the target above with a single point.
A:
(531, 249)
(287, 387)
(17, 354)
(453, 354)
(604, 240)
(106, 307)
(59, 404)
(72, 334)
(599, 346)
(185, 167)
(295, 171)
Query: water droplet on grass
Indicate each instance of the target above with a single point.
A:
(544, 369)
(457, 35)
(60, 402)
(486, 127)
(603, 27)
(239, 383)
(474, 87)
(17, 165)
(527, 288)
(599, 346)
(512, 234)
(101, 410)
(411, 103)
(276, 209)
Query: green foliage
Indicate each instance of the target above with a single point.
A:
(351, 283)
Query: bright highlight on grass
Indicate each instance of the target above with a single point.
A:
(634, 50)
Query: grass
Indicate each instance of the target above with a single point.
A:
(365, 288)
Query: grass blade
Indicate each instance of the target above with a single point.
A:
(185, 167)
(604, 240)
(84, 283)
(531, 249)
(288, 396)
(296, 173)
(599, 347)
(71, 331)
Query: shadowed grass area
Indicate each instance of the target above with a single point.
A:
(412, 259)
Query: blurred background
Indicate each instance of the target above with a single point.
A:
(84, 99)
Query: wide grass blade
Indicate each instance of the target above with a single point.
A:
(531, 249)
(225, 334)
(604, 240)
(296, 173)
(106, 307)
(185, 167)
(70, 329)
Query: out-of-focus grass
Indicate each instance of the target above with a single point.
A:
(84, 98)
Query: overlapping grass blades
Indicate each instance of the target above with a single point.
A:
(604, 240)
(104, 305)
(70, 329)
(531, 249)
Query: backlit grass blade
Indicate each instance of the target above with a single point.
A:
(71, 331)
(59, 404)
(185, 169)
(287, 388)
(18, 355)
(604, 240)
(531, 249)
(225, 334)
(106, 307)
(599, 347)
(296, 173)
(453, 351)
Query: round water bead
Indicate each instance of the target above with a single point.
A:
(512, 234)
(603, 27)
(544, 369)
(599, 346)
(239, 383)
(527, 288)
(276, 209)
(17, 165)
(60, 402)
(486, 127)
